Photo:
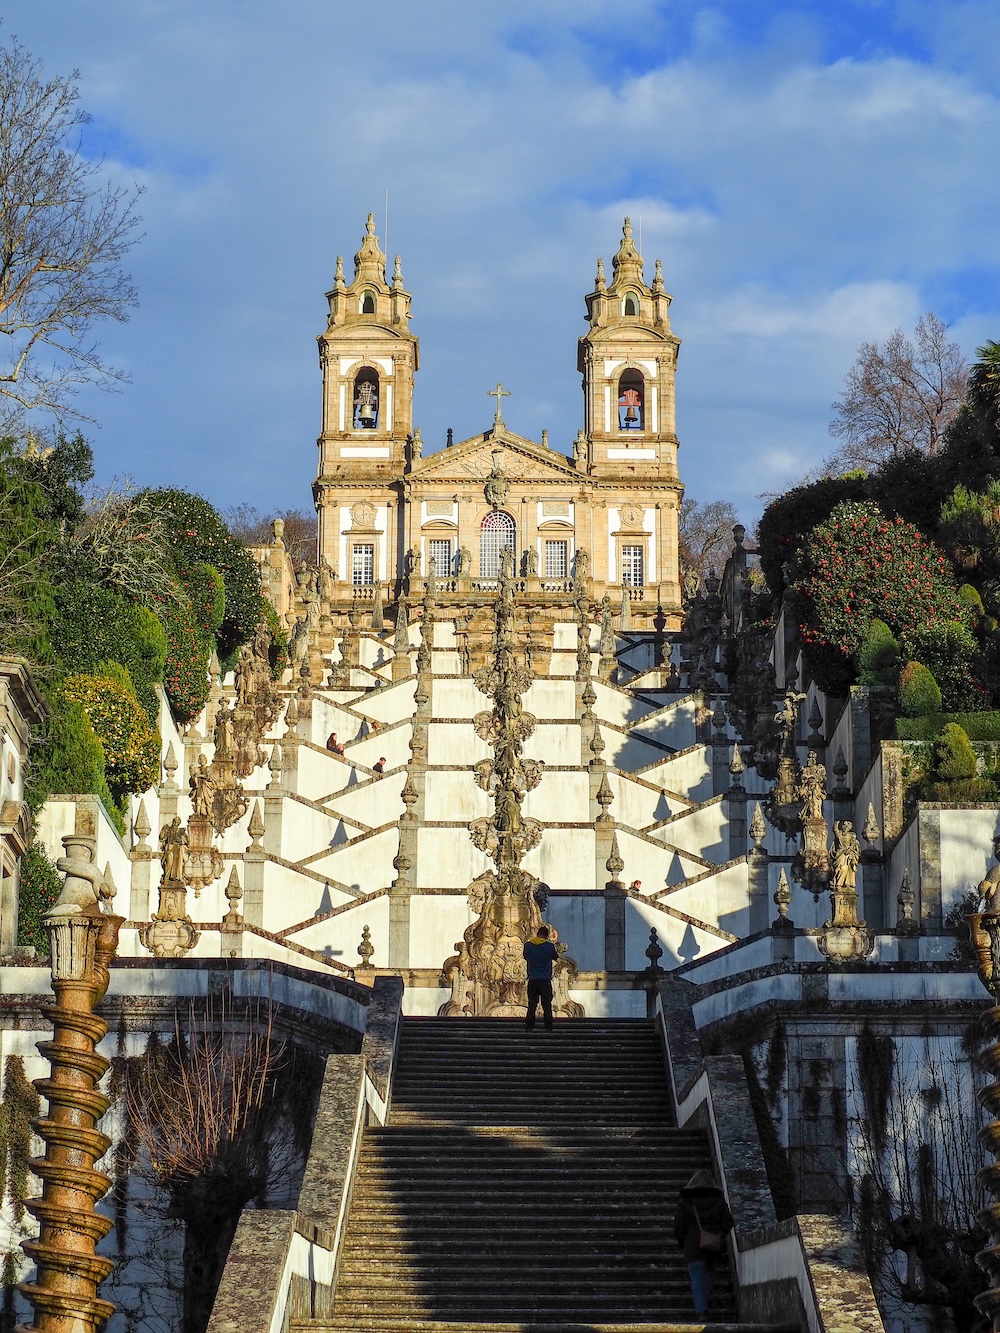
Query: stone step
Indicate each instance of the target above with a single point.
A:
(406, 1324)
(528, 1312)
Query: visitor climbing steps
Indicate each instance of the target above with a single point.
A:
(524, 1182)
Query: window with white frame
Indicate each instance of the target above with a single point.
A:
(362, 564)
(498, 531)
(440, 553)
(556, 559)
(632, 566)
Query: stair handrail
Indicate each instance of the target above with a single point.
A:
(283, 1265)
(805, 1269)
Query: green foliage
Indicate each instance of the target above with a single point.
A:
(953, 769)
(950, 652)
(970, 598)
(206, 591)
(977, 726)
(27, 536)
(912, 486)
(60, 472)
(185, 675)
(859, 565)
(98, 625)
(878, 654)
(277, 652)
(788, 519)
(198, 535)
(68, 757)
(131, 747)
(40, 887)
(919, 695)
(19, 1105)
(970, 529)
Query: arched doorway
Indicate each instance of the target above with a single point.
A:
(499, 531)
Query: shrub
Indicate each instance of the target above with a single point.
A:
(198, 535)
(185, 675)
(98, 625)
(950, 652)
(40, 886)
(206, 591)
(953, 769)
(857, 566)
(970, 598)
(919, 695)
(131, 747)
(913, 486)
(277, 653)
(878, 654)
(977, 726)
(68, 757)
(788, 520)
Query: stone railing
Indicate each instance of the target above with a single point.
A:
(282, 1266)
(806, 1269)
(558, 585)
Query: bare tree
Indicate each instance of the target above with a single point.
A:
(249, 526)
(706, 534)
(63, 234)
(900, 396)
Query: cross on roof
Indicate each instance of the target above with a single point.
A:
(499, 393)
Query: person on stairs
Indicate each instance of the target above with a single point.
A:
(539, 954)
(702, 1223)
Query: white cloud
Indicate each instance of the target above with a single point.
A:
(799, 206)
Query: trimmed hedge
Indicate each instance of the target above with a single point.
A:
(878, 654)
(977, 726)
(788, 520)
(185, 675)
(919, 695)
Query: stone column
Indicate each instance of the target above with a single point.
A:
(253, 862)
(615, 899)
(82, 941)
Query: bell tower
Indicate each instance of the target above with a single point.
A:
(368, 357)
(628, 359)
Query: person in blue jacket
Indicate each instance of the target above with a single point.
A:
(539, 954)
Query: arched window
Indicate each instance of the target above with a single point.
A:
(368, 303)
(498, 531)
(631, 306)
(366, 400)
(631, 401)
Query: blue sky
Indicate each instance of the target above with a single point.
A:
(811, 174)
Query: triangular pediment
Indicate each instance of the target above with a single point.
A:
(472, 459)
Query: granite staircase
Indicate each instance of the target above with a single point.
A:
(524, 1182)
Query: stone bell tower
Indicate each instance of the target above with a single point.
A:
(628, 359)
(368, 357)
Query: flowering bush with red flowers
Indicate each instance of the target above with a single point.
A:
(185, 675)
(858, 565)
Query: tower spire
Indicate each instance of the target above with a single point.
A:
(627, 262)
(369, 262)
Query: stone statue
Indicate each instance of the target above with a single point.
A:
(417, 444)
(812, 788)
(581, 564)
(202, 786)
(413, 560)
(464, 562)
(846, 855)
(173, 850)
(580, 449)
(223, 731)
(327, 579)
(531, 562)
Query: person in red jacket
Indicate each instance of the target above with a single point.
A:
(702, 1223)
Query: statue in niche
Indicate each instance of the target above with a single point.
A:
(173, 850)
(812, 788)
(464, 562)
(846, 855)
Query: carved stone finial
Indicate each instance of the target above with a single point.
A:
(758, 827)
(256, 826)
(840, 771)
(870, 830)
(366, 949)
(906, 923)
(782, 895)
(653, 952)
(600, 283)
(170, 762)
(604, 798)
(338, 277)
(397, 274)
(234, 893)
(615, 865)
(141, 827)
(737, 766)
(658, 278)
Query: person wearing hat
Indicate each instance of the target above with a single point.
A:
(703, 1221)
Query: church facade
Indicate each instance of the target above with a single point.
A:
(603, 520)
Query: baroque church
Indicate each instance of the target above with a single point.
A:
(503, 708)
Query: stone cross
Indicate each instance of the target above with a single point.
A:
(499, 393)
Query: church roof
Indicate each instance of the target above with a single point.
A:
(474, 458)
